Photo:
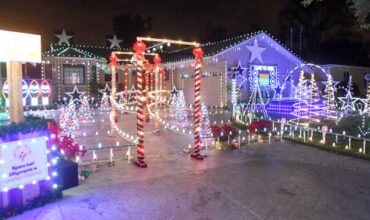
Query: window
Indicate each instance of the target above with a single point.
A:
(346, 76)
(107, 77)
(73, 74)
(49, 71)
(167, 76)
(3, 70)
(365, 79)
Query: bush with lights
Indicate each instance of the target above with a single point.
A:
(223, 132)
(262, 127)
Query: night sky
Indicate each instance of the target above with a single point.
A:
(91, 20)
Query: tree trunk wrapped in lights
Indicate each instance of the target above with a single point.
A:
(113, 66)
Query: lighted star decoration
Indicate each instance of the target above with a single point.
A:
(106, 90)
(114, 42)
(364, 106)
(238, 73)
(174, 92)
(256, 51)
(75, 94)
(348, 102)
(64, 38)
(277, 90)
(334, 84)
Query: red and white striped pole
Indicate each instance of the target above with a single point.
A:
(113, 66)
(198, 53)
(139, 48)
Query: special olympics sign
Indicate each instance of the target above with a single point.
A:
(15, 46)
(23, 162)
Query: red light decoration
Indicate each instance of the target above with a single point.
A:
(113, 62)
(198, 53)
(34, 88)
(45, 89)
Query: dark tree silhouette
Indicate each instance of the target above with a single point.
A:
(128, 27)
(328, 32)
(215, 33)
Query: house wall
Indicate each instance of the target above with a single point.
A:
(274, 54)
(211, 91)
(59, 89)
(213, 87)
(339, 73)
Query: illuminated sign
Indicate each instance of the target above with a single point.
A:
(263, 75)
(45, 92)
(34, 91)
(16, 46)
(25, 91)
(23, 162)
(264, 79)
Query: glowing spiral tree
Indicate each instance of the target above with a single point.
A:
(329, 99)
(314, 108)
(301, 106)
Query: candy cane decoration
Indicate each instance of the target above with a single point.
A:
(113, 66)
(198, 53)
(126, 82)
(139, 48)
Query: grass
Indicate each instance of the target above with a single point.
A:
(238, 124)
(340, 146)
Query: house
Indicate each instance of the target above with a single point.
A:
(241, 62)
(341, 73)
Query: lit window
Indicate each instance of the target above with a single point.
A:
(73, 74)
